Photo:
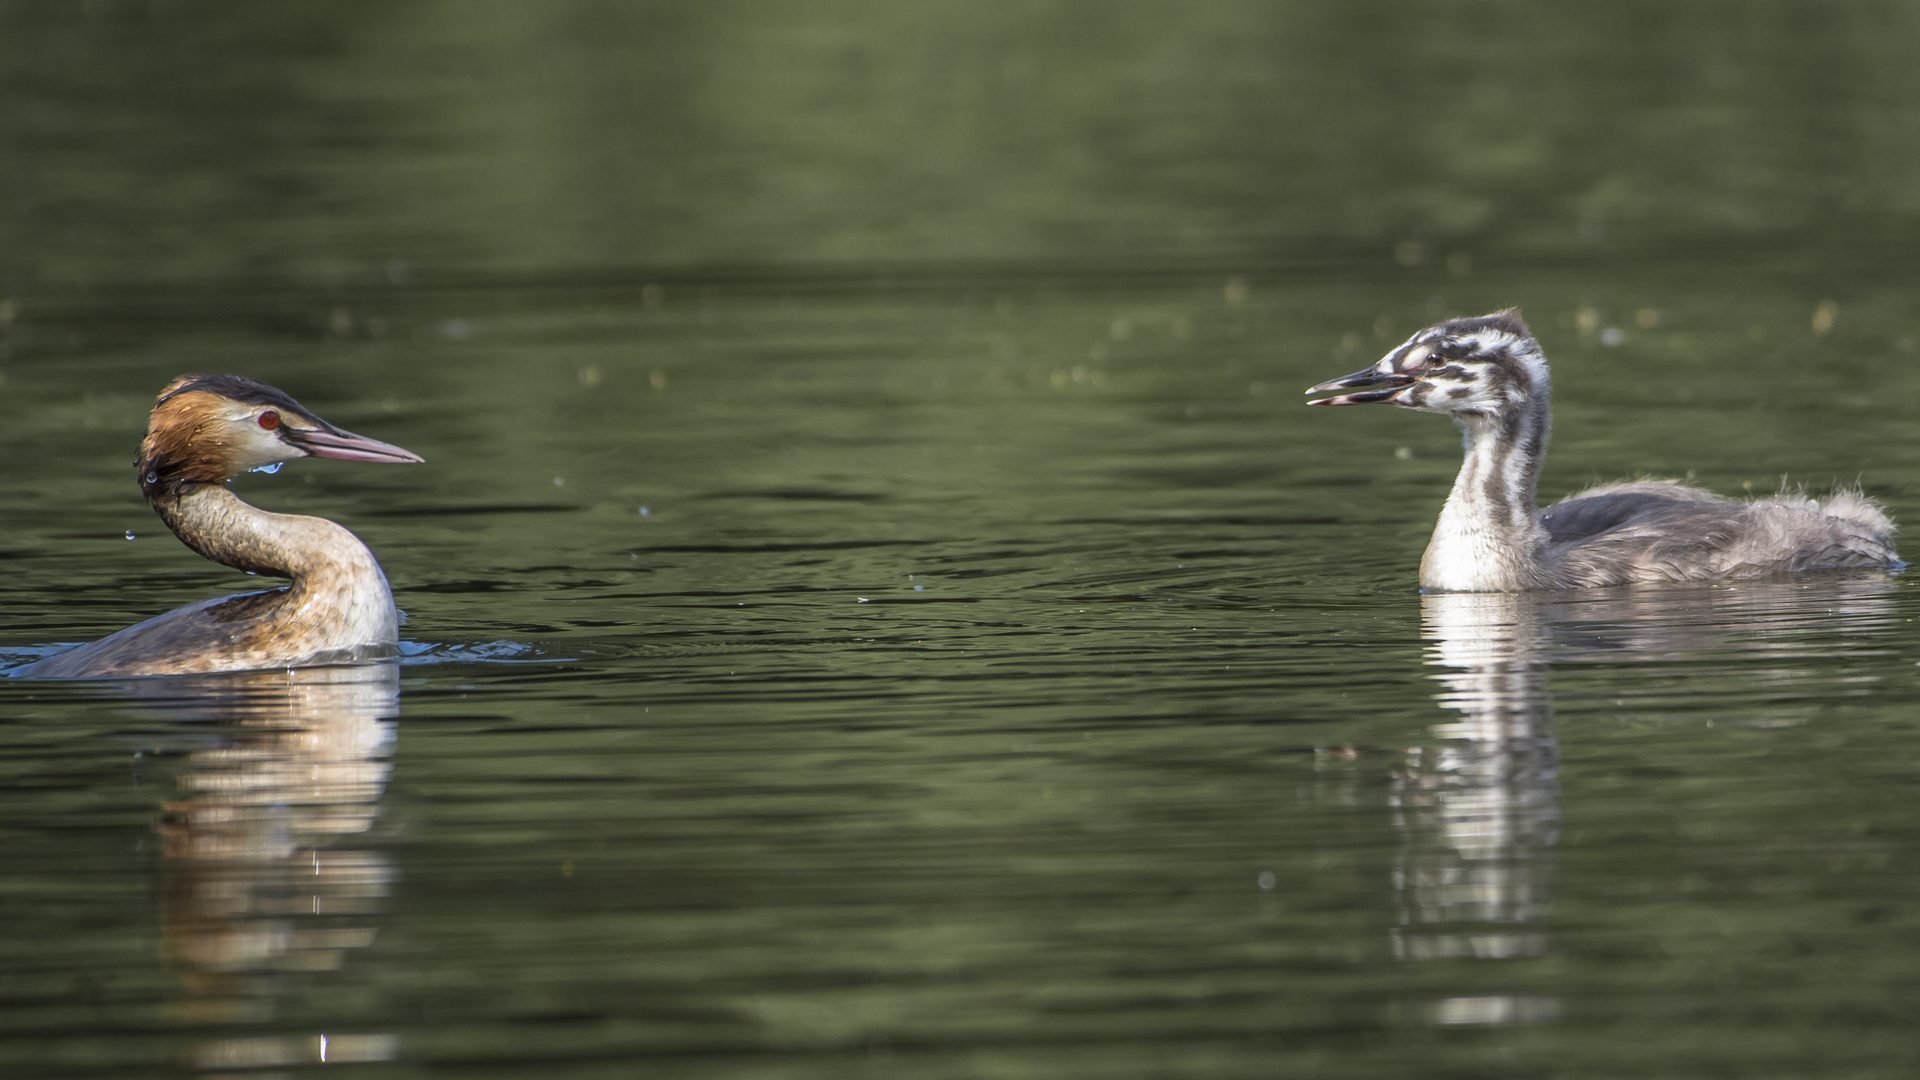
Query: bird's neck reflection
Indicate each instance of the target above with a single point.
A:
(1479, 808)
(261, 878)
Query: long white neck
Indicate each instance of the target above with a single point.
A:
(1488, 538)
(339, 594)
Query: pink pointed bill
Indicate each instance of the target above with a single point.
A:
(346, 446)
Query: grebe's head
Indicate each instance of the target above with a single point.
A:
(207, 428)
(1488, 366)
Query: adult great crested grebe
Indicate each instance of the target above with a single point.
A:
(1489, 375)
(206, 429)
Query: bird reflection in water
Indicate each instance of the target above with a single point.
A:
(260, 876)
(1478, 810)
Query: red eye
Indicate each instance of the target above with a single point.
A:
(269, 419)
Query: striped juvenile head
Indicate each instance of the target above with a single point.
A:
(1486, 366)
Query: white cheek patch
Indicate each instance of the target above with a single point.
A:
(253, 445)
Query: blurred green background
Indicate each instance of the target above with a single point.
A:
(316, 143)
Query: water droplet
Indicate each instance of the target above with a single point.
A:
(916, 588)
(644, 511)
(130, 535)
(1267, 881)
(153, 478)
(559, 481)
(269, 469)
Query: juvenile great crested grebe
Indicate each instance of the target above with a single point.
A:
(206, 429)
(1491, 377)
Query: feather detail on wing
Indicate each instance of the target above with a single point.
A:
(1660, 530)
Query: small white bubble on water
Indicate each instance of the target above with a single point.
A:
(130, 535)
(645, 512)
(559, 481)
(1267, 881)
(916, 588)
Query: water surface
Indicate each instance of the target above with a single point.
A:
(859, 628)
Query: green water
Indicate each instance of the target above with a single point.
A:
(876, 604)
